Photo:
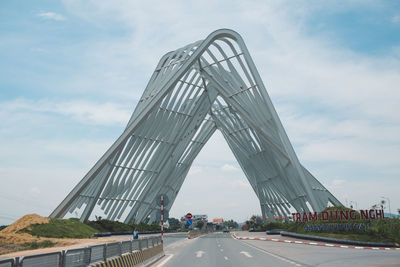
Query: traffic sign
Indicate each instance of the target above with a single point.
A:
(189, 216)
(189, 222)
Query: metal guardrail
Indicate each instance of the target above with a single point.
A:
(39, 260)
(7, 263)
(77, 257)
(81, 257)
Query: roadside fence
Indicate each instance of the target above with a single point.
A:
(81, 257)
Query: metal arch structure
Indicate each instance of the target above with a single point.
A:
(207, 85)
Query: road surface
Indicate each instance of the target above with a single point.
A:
(220, 249)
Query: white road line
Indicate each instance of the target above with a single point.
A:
(221, 250)
(166, 259)
(226, 258)
(199, 253)
(273, 255)
(219, 245)
(246, 254)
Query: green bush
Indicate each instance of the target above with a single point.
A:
(61, 228)
(103, 225)
(381, 230)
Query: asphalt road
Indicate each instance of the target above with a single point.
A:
(220, 249)
(171, 238)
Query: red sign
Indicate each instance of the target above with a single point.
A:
(189, 216)
(339, 215)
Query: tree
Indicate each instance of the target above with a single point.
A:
(200, 224)
(174, 223)
(231, 224)
(398, 211)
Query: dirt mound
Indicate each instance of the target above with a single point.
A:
(24, 222)
(11, 240)
(11, 235)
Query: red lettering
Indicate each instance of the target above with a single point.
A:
(364, 214)
(312, 217)
(353, 215)
(298, 217)
(379, 214)
(325, 216)
(372, 214)
(336, 217)
(305, 219)
(344, 215)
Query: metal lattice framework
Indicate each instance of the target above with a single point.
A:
(195, 90)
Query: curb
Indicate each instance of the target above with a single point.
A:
(152, 260)
(310, 243)
(337, 241)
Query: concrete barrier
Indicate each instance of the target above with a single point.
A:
(136, 258)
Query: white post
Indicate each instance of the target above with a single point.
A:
(162, 219)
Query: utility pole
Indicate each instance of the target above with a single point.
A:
(162, 219)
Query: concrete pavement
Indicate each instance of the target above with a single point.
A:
(219, 249)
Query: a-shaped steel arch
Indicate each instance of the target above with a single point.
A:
(207, 85)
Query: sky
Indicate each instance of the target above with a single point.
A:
(73, 71)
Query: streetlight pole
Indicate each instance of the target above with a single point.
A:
(388, 202)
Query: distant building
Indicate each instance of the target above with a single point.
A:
(218, 221)
(200, 218)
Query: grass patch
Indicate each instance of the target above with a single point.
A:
(103, 225)
(6, 248)
(73, 228)
(61, 228)
(40, 244)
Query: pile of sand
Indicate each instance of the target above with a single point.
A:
(11, 240)
(11, 235)
(24, 222)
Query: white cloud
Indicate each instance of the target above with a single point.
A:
(195, 170)
(241, 184)
(51, 16)
(108, 113)
(35, 190)
(229, 168)
(395, 19)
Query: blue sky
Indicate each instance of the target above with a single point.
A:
(72, 72)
